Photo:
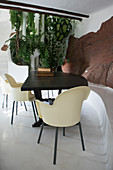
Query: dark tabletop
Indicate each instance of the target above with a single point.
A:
(59, 81)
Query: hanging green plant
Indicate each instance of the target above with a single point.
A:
(60, 26)
(52, 49)
(56, 31)
(63, 28)
(16, 18)
(22, 47)
(30, 27)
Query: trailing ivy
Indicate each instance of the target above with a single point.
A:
(22, 47)
(30, 27)
(16, 18)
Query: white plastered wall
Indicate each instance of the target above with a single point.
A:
(93, 23)
(20, 73)
(5, 30)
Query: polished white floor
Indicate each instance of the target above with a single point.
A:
(19, 149)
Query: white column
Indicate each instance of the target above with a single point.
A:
(24, 23)
(42, 38)
(37, 23)
(35, 57)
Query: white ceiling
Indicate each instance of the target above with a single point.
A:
(80, 6)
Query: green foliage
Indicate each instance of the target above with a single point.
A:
(27, 44)
(12, 46)
(30, 27)
(52, 49)
(49, 54)
(56, 31)
(16, 18)
(60, 27)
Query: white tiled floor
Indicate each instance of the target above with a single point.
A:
(19, 149)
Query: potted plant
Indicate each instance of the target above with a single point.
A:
(66, 66)
(52, 49)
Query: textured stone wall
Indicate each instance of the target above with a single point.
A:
(92, 55)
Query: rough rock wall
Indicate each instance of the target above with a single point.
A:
(92, 55)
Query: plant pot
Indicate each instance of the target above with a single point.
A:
(66, 67)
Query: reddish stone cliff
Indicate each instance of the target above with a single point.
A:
(92, 55)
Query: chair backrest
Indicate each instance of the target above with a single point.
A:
(4, 85)
(16, 93)
(11, 80)
(67, 107)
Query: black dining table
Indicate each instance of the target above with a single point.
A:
(59, 82)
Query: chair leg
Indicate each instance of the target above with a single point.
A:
(52, 92)
(12, 112)
(50, 102)
(34, 111)
(48, 94)
(25, 106)
(55, 147)
(3, 100)
(6, 100)
(16, 108)
(63, 131)
(59, 91)
(40, 134)
(81, 135)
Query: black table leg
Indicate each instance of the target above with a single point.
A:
(38, 96)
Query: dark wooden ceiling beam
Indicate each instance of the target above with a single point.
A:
(37, 11)
(43, 8)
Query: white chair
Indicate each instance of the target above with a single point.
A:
(5, 90)
(18, 95)
(65, 112)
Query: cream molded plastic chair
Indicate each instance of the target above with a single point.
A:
(5, 90)
(18, 95)
(65, 112)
